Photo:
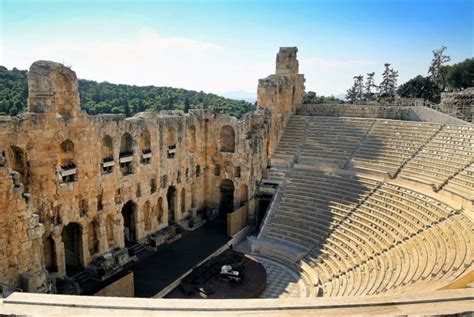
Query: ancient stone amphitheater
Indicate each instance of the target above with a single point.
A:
(356, 209)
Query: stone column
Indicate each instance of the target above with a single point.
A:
(139, 223)
(85, 256)
(59, 248)
(102, 234)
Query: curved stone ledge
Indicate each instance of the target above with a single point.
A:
(438, 302)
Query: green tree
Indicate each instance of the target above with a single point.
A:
(420, 87)
(388, 86)
(460, 75)
(105, 97)
(309, 97)
(355, 93)
(438, 61)
(370, 87)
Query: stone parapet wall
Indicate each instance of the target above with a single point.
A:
(361, 111)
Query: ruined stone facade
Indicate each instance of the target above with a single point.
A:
(74, 186)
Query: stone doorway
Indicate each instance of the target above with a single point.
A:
(129, 226)
(226, 202)
(172, 197)
(72, 239)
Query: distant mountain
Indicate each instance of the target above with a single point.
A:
(240, 95)
(341, 96)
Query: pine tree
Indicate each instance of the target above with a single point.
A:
(388, 86)
(438, 61)
(355, 93)
(370, 87)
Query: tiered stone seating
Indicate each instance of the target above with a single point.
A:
(451, 151)
(332, 139)
(367, 237)
(463, 182)
(291, 138)
(390, 143)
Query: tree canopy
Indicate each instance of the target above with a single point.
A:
(420, 87)
(311, 97)
(440, 78)
(112, 98)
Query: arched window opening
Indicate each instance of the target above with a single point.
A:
(126, 154)
(171, 142)
(145, 146)
(67, 166)
(107, 155)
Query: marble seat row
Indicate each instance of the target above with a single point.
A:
(292, 136)
(332, 139)
(435, 154)
(367, 237)
(390, 143)
(463, 182)
(449, 152)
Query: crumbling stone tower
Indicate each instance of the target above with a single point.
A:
(281, 93)
(52, 88)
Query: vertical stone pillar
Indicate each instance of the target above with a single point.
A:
(59, 247)
(139, 223)
(85, 255)
(119, 237)
(102, 235)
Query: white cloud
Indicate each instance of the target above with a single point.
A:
(147, 59)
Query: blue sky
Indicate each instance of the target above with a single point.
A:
(221, 46)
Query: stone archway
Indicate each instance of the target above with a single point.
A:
(49, 254)
(172, 198)
(129, 224)
(226, 201)
(72, 240)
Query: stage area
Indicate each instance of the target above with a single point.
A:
(207, 282)
(156, 270)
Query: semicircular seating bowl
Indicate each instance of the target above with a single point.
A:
(366, 236)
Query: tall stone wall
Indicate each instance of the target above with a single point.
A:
(89, 175)
(20, 233)
(281, 93)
